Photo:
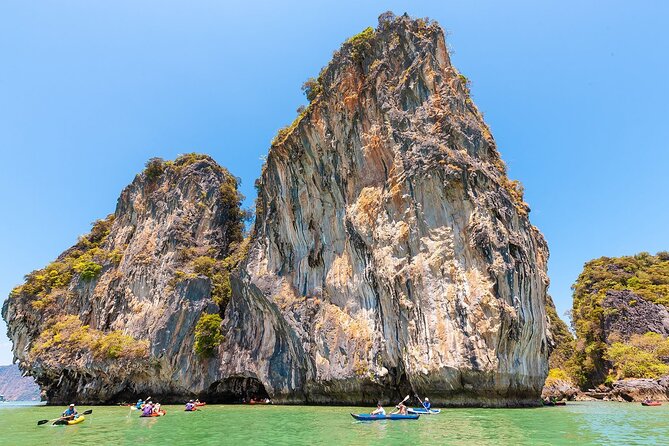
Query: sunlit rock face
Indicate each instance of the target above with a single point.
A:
(391, 252)
(113, 318)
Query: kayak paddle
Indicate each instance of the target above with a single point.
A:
(422, 403)
(402, 402)
(41, 422)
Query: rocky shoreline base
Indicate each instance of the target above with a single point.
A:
(625, 390)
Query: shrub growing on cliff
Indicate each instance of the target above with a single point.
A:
(208, 335)
(154, 168)
(85, 258)
(115, 345)
(361, 44)
(68, 339)
(558, 375)
(641, 357)
(189, 158)
(311, 88)
(87, 269)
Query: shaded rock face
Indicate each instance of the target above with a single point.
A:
(640, 389)
(391, 252)
(140, 295)
(632, 315)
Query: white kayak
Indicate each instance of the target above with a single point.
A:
(423, 411)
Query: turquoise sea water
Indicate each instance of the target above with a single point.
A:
(597, 423)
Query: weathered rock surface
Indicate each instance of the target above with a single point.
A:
(391, 252)
(631, 314)
(640, 389)
(560, 389)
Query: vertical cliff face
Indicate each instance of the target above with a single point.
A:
(391, 251)
(115, 315)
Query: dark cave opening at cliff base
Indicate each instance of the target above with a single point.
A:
(235, 389)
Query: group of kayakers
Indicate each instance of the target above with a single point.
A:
(149, 408)
(400, 409)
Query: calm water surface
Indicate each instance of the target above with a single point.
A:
(578, 423)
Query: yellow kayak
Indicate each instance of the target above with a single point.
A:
(79, 419)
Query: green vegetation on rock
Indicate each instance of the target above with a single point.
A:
(154, 168)
(219, 271)
(361, 43)
(312, 88)
(208, 335)
(85, 259)
(643, 356)
(69, 338)
(283, 133)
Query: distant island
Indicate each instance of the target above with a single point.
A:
(14, 387)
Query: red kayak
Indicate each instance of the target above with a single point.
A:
(154, 414)
(200, 404)
(651, 403)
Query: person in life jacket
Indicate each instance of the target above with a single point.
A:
(147, 410)
(70, 413)
(427, 403)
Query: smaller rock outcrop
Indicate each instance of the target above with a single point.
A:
(134, 307)
(560, 389)
(640, 389)
(621, 317)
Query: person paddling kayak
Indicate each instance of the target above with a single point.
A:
(190, 406)
(426, 404)
(147, 410)
(379, 410)
(401, 409)
(70, 413)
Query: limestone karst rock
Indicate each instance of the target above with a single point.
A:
(390, 249)
(390, 254)
(114, 316)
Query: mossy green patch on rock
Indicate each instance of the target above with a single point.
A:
(208, 335)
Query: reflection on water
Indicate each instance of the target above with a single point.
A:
(578, 423)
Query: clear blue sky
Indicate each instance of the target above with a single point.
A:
(576, 94)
